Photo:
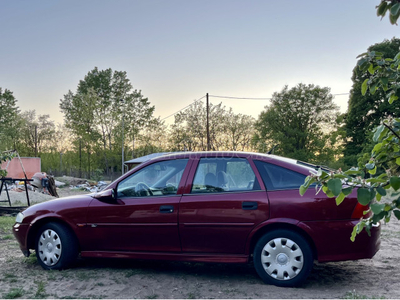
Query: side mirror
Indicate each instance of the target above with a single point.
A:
(106, 195)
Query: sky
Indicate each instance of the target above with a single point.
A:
(176, 51)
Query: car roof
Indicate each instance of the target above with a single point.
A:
(290, 163)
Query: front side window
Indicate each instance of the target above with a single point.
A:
(158, 179)
(215, 175)
(279, 178)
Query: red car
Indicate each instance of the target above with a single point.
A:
(230, 207)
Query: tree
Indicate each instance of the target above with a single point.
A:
(381, 74)
(239, 131)
(38, 133)
(227, 130)
(295, 120)
(9, 119)
(103, 101)
(366, 111)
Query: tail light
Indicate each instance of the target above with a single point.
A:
(358, 211)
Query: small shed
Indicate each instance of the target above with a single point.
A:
(31, 165)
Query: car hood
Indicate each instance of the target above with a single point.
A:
(61, 207)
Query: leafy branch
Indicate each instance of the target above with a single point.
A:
(5, 156)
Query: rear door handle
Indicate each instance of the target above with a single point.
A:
(166, 209)
(249, 205)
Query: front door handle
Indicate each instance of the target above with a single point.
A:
(166, 209)
(246, 205)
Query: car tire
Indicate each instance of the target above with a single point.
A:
(56, 246)
(283, 258)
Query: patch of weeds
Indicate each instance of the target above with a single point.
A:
(50, 275)
(10, 259)
(6, 224)
(83, 276)
(8, 237)
(230, 291)
(14, 293)
(355, 295)
(10, 277)
(100, 284)
(41, 290)
(193, 295)
(130, 273)
(154, 296)
(65, 274)
(31, 260)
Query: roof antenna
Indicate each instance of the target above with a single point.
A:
(272, 150)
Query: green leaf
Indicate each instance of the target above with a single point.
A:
(395, 9)
(384, 81)
(347, 191)
(328, 192)
(364, 87)
(381, 191)
(340, 198)
(356, 230)
(398, 161)
(371, 69)
(335, 185)
(370, 166)
(382, 9)
(393, 98)
(302, 190)
(378, 132)
(378, 197)
(397, 214)
(377, 208)
(364, 196)
(373, 171)
(395, 182)
(352, 172)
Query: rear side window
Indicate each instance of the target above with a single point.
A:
(216, 175)
(279, 178)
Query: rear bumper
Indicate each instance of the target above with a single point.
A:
(332, 240)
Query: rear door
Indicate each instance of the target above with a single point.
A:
(224, 204)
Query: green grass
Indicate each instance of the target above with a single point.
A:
(41, 290)
(8, 237)
(31, 260)
(14, 293)
(6, 224)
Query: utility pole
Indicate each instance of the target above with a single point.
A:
(208, 124)
(123, 115)
(36, 142)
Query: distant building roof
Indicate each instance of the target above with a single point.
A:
(142, 159)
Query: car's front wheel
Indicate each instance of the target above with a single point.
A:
(283, 258)
(56, 246)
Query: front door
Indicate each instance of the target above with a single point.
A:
(145, 215)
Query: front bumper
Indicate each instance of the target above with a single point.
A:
(20, 231)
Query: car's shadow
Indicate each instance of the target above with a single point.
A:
(321, 275)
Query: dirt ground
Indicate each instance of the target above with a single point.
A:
(22, 277)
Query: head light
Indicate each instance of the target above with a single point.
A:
(19, 218)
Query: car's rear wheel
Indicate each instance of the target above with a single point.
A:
(283, 258)
(56, 246)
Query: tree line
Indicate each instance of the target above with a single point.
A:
(105, 111)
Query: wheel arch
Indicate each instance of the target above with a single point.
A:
(276, 226)
(33, 231)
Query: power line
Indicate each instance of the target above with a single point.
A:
(241, 98)
(230, 97)
(183, 108)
